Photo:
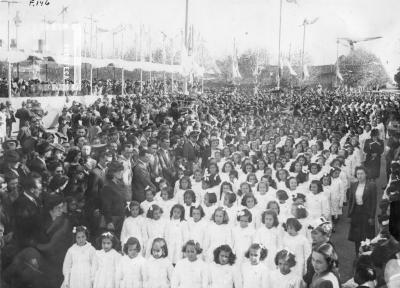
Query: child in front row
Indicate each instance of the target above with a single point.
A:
(158, 269)
(190, 271)
(106, 262)
(253, 273)
(283, 277)
(79, 261)
(130, 272)
(222, 273)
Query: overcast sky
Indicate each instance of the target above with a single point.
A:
(254, 24)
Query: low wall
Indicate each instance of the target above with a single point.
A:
(53, 105)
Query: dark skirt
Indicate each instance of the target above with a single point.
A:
(373, 167)
(359, 226)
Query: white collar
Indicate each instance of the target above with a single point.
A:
(30, 197)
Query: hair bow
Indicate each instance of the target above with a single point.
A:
(241, 213)
(128, 204)
(366, 243)
(262, 246)
(74, 230)
(151, 208)
(301, 207)
(288, 251)
(107, 234)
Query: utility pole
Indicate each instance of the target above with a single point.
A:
(279, 45)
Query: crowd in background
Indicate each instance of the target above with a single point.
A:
(221, 189)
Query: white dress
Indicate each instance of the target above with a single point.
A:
(270, 238)
(254, 276)
(338, 194)
(105, 267)
(176, 234)
(78, 266)
(134, 227)
(317, 205)
(154, 229)
(277, 279)
(223, 276)
(242, 239)
(197, 230)
(301, 247)
(263, 199)
(3, 129)
(166, 206)
(130, 272)
(189, 274)
(216, 236)
(157, 273)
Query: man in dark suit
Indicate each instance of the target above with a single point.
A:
(141, 177)
(166, 160)
(191, 150)
(95, 184)
(28, 210)
(38, 164)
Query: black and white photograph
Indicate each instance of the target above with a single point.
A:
(199, 144)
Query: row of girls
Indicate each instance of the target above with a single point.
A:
(107, 268)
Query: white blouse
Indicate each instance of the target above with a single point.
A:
(359, 194)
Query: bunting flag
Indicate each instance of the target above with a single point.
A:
(306, 75)
(292, 72)
(338, 74)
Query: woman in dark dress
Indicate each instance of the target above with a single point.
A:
(362, 208)
(374, 148)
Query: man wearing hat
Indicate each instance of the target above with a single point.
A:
(191, 149)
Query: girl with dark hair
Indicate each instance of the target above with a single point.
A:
(79, 260)
(176, 232)
(158, 268)
(222, 272)
(190, 271)
(134, 224)
(283, 276)
(106, 261)
(197, 225)
(316, 202)
(253, 273)
(243, 234)
(297, 243)
(155, 226)
(269, 235)
(130, 269)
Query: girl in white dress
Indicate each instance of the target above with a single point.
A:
(283, 277)
(339, 188)
(253, 273)
(190, 271)
(316, 202)
(298, 244)
(210, 204)
(134, 224)
(130, 272)
(264, 194)
(106, 262)
(218, 232)
(158, 269)
(197, 225)
(184, 184)
(230, 206)
(243, 234)
(223, 272)
(165, 203)
(155, 226)
(269, 235)
(249, 202)
(176, 233)
(190, 201)
(78, 262)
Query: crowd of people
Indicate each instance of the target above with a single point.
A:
(222, 189)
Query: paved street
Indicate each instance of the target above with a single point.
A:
(344, 247)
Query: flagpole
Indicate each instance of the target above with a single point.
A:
(302, 54)
(337, 62)
(279, 45)
(185, 84)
